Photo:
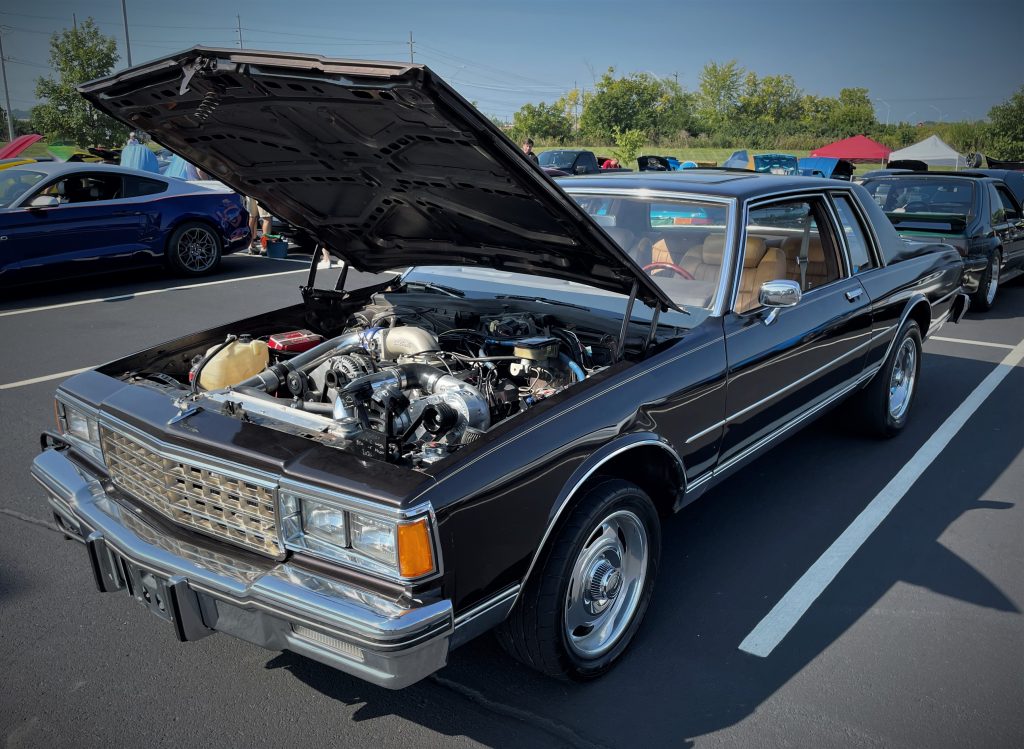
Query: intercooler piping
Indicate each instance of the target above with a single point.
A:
(271, 378)
(413, 375)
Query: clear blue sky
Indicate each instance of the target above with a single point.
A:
(926, 59)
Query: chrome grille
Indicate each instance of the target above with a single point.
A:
(206, 500)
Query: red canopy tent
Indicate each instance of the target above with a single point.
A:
(18, 145)
(857, 148)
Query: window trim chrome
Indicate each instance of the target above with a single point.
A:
(768, 199)
(874, 248)
(731, 204)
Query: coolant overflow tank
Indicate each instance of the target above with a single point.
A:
(237, 361)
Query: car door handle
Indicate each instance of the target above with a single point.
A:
(854, 294)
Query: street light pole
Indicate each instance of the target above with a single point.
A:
(127, 41)
(7, 93)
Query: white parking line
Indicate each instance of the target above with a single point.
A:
(44, 378)
(132, 295)
(771, 630)
(973, 343)
(275, 259)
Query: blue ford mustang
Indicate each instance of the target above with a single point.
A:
(70, 219)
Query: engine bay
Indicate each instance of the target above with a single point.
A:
(394, 380)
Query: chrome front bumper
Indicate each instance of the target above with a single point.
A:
(276, 605)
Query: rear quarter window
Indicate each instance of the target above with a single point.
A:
(137, 187)
(889, 242)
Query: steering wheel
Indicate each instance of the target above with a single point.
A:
(672, 267)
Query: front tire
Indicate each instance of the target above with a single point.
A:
(985, 297)
(884, 405)
(194, 249)
(579, 612)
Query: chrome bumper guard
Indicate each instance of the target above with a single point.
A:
(275, 605)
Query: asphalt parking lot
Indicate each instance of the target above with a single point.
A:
(917, 640)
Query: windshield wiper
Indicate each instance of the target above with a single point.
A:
(449, 290)
(543, 300)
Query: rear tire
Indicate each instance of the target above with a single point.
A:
(883, 407)
(585, 602)
(194, 249)
(985, 297)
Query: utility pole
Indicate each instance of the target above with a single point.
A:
(412, 57)
(238, 17)
(676, 76)
(74, 21)
(127, 41)
(7, 95)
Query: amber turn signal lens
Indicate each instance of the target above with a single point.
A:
(415, 557)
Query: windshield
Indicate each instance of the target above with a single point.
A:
(916, 195)
(14, 183)
(557, 159)
(680, 243)
(776, 163)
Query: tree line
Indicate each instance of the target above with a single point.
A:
(735, 107)
(731, 108)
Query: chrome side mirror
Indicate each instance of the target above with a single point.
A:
(44, 201)
(778, 294)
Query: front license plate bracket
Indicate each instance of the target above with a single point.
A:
(168, 598)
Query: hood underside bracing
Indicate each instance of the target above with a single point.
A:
(383, 162)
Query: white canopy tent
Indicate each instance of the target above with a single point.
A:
(932, 150)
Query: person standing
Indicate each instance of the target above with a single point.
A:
(528, 149)
(259, 218)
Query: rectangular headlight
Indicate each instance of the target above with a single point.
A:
(397, 549)
(375, 538)
(324, 523)
(82, 428)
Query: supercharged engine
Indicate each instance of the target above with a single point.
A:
(388, 390)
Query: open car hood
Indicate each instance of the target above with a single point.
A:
(382, 162)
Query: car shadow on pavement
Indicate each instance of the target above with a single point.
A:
(1008, 304)
(728, 558)
(126, 283)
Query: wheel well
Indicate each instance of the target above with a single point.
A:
(921, 314)
(654, 469)
(202, 221)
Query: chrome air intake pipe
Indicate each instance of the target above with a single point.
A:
(404, 376)
(271, 378)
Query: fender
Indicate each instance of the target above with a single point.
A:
(914, 301)
(589, 468)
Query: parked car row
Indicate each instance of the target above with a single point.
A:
(493, 439)
(977, 212)
(67, 219)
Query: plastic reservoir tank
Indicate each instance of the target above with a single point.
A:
(237, 361)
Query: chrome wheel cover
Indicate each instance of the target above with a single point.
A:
(197, 249)
(606, 585)
(901, 384)
(993, 281)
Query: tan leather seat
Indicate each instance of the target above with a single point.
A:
(671, 249)
(817, 270)
(760, 263)
(705, 262)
